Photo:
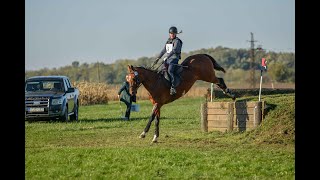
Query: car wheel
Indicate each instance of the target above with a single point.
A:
(75, 114)
(65, 116)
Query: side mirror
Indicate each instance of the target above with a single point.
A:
(70, 90)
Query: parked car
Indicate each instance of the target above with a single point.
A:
(51, 98)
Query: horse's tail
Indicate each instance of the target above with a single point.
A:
(215, 64)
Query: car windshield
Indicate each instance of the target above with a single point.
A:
(44, 85)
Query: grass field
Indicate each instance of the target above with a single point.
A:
(102, 146)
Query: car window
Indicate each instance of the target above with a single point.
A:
(44, 85)
(69, 82)
(66, 83)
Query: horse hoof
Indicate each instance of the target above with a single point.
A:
(155, 139)
(142, 135)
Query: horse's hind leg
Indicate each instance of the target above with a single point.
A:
(220, 83)
(146, 129)
(157, 121)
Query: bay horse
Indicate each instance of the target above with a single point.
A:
(198, 67)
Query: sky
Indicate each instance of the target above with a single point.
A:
(62, 31)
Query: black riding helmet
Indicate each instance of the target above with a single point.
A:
(173, 30)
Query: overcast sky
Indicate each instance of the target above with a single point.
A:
(58, 32)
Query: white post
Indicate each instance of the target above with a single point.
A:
(260, 86)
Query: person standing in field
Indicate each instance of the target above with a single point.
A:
(172, 52)
(125, 96)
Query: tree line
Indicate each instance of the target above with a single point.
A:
(281, 66)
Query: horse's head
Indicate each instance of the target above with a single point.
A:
(134, 80)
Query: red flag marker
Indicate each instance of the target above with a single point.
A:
(264, 62)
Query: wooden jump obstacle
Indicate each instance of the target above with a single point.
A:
(229, 116)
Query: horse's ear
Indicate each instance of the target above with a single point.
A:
(129, 68)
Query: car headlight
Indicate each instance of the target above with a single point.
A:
(57, 101)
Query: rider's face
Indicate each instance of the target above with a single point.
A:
(172, 35)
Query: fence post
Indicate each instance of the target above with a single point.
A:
(257, 114)
(204, 118)
(230, 116)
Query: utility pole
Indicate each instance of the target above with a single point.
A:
(252, 66)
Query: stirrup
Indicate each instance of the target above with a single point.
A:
(172, 91)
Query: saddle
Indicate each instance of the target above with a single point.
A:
(165, 75)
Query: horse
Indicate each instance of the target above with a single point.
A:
(196, 67)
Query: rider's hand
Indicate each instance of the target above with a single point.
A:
(164, 59)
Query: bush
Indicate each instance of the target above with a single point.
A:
(92, 93)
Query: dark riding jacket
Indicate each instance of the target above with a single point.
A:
(172, 49)
(124, 93)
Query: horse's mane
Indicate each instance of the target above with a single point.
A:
(146, 68)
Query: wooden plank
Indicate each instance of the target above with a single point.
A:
(221, 105)
(257, 114)
(244, 111)
(218, 123)
(204, 118)
(230, 116)
(211, 117)
(249, 111)
(245, 104)
(244, 124)
(217, 111)
(243, 117)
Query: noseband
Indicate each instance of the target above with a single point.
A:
(136, 79)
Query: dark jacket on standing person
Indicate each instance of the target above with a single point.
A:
(124, 93)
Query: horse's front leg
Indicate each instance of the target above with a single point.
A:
(224, 88)
(153, 114)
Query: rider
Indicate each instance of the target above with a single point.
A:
(172, 51)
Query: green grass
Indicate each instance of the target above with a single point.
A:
(101, 146)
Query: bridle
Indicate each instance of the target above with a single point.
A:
(135, 77)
